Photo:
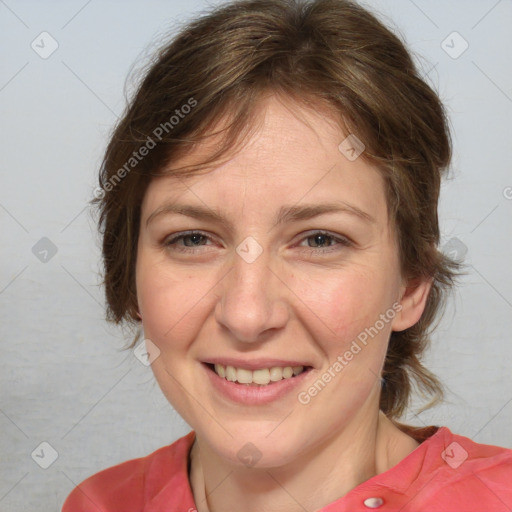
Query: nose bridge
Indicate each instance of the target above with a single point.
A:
(250, 303)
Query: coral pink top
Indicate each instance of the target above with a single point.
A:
(445, 473)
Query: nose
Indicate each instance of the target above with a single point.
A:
(252, 300)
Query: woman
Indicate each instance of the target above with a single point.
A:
(269, 212)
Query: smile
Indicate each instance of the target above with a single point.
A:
(262, 376)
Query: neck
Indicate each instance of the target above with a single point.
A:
(315, 479)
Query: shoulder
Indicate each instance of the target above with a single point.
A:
(131, 484)
(460, 452)
(459, 472)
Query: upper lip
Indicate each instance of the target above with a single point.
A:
(254, 364)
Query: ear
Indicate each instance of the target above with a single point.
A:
(414, 295)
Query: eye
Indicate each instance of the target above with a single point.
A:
(325, 242)
(192, 241)
(319, 242)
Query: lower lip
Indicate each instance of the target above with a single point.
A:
(255, 395)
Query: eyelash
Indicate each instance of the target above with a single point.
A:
(342, 241)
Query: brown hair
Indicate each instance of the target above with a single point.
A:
(331, 53)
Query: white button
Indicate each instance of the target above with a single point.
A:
(373, 502)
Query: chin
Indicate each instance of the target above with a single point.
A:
(253, 445)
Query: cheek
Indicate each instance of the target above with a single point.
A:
(346, 302)
(169, 302)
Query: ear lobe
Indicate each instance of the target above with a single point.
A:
(413, 302)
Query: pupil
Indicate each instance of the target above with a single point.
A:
(195, 239)
(320, 239)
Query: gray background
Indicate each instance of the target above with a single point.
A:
(65, 379)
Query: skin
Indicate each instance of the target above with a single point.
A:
(301, 298)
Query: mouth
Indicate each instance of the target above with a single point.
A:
(257, 377)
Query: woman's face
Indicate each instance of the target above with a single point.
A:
(281, 257)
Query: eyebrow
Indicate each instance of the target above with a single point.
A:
(286, 213)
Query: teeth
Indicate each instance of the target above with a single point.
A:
(276, 374)
(221, 372)
(243, 376)
(230, 373)
(287, 372)
(261, 377)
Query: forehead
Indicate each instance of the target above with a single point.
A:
(292, 155)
